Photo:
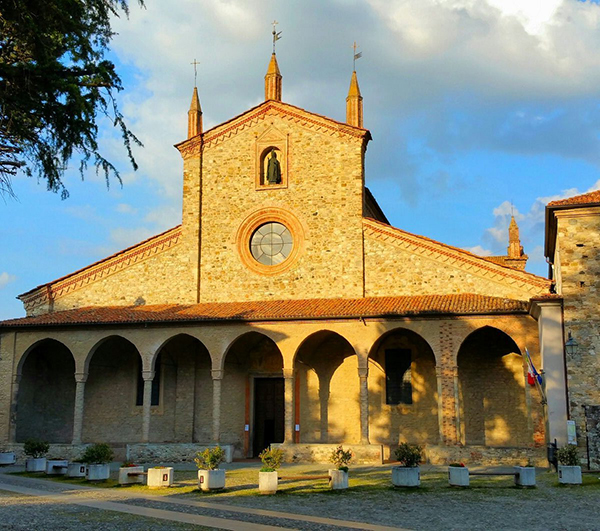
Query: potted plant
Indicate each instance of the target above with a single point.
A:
(267, 477)
(210, 477)
(97, 457)
(7, 457)
(36, 450)
(569, 469)
(458, 475)
(130, 473)
(160, 476)
(408, 473)
(525, 475)
(338, 478)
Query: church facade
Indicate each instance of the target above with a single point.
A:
(285, 309)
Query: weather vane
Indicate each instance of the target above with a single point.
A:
(195, 63)
(276, 35)
(356, 56)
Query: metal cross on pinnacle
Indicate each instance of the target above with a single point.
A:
(276, 35)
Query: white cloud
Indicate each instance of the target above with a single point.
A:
(479, 250)
(127, 237)
(124, 208)
(6, 278)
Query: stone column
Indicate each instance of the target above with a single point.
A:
(288, 375)
(363, 374)
(552, 348)
(148, 377)
(80, 379)
(447, 376)
(217, 377)
(12, 436)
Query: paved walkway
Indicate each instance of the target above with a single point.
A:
(195, 513)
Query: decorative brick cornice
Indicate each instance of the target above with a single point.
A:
(232, 127)
(47, 293)
(456, 257)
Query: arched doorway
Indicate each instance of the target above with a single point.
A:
(113, 397)
(327, 390)
(183, 408)
(46, 397)
(403, 399)
(493, 408)
(253, 404)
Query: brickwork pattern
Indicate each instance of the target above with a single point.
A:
(448, 373)
(578, 260)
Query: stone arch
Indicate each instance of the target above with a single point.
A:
(47, 370)
(183, 409)
(112, 410)
(327, 404)
(491, 387)
(403, 393)
(252, 373)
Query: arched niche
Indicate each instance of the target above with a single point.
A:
(182, 392)
(327, 389)
(403, 400)
(252, 407)
(112, 406)
(493, 408)
(46, 397)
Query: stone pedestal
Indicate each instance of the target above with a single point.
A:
(98, 472)
(569, 475)
(56, 467)
(338, 479)
(458, 476)
(126, 479)
(211, 479)
(37, 464)
(525, 477)
(160, 477)
(267, 482)
(406, 476)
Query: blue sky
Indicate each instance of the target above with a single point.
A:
(472, 104)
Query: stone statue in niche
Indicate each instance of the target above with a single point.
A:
(273, 169)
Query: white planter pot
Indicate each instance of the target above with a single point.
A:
(338, 479)
(76, 470)
(160, 477)
(56, 467)
(211, 479)
(406, 476)
(37, 464)
(7, 458)
(267, 482)
(126, 479)
(525, 477)
(569, 475)
(98, 472)
(458, 476)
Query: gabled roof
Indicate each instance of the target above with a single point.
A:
(577, 201)
(227, 129)
(455, 256)
(382, 307)
(111, 264)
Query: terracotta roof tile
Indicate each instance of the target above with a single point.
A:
(583, 199)
(457, 304)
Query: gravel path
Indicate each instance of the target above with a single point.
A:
(489, 504)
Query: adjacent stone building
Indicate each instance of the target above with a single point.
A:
(286, 309)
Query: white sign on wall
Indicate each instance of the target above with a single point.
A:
(571, 432)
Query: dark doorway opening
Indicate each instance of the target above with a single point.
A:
(268, 413)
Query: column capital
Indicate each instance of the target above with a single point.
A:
(81, 377)
(217, 374)
(363, 372)
(288, 373)
(148, 375)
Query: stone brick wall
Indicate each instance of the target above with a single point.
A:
(325, 193)
(390, 270)
(577, 264)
